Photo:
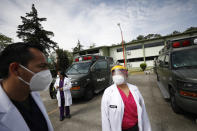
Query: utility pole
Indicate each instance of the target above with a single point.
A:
(122, 45)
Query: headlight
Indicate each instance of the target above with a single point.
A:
(187, 89)
(187, 85)
(74, 83)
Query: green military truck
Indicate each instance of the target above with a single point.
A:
(176, 70)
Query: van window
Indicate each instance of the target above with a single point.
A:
(185, 59)
(101, 65)
(161, 60)
(166, 61)
(79, 68)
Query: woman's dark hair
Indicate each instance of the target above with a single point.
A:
(62, 73)
(16, 52)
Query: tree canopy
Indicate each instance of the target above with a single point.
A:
(64, 59)
(191, 29)
(92, 45)
(4, 41)
(31, 30)
(149, 36)
(78, 47)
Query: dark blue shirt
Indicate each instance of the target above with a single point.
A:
(32, 114)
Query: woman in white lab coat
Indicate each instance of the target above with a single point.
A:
(122, 106)
(64, 97)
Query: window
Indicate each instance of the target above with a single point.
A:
(79, 68)
(119, 50)
(134, 47)
(166, 61)
(150, 58)
(132, 60)
(153, 44)
(185, 58)
(135, 59)
(161, 60)
(101, 65)
(82, 53)
(93, 51)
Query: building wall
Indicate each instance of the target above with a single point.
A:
(114, 54)
(153, 51)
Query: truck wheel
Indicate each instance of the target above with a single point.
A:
(173, 103)
(52, 92)
(89, 94)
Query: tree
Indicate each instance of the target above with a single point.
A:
(32, 31)
(93, 45)
(191, 29)
(4, 41)
(63, 61)
(149, 36)
(143, 66)
(175, 32)
(78, 47)
(140, 37)
(157, 35)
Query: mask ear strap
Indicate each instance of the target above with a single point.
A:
(26, 69)
(23, 80)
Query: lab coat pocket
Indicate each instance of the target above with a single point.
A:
(114, 110)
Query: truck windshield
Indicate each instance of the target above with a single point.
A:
(79, 68)
(185, 59)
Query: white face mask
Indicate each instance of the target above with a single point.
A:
(119, 79)
(40, 81)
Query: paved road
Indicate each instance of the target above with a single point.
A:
(86, 115)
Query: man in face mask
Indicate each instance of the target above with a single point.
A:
(122, 106)
(24, 71)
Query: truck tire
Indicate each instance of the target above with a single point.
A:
(173, 103)
(52, 92)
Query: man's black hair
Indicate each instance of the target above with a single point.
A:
(16, 52)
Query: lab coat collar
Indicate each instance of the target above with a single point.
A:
(5, 103)
(131, 87)
(35, 96)
(10, 117)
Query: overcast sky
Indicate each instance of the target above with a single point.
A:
(95, 21)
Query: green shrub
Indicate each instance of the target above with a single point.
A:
(143, 66)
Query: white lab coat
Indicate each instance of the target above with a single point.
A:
(10, 117)
(112, 117)
(66, 88)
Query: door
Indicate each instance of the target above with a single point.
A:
(166, 71)
(160, 68)
(99, 75)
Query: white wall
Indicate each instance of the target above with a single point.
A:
(100, 52)
(135, 53)
(114, 54)
(153, 51)
(150, 63)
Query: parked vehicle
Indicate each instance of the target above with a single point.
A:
(177, 74)
(89, 74)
